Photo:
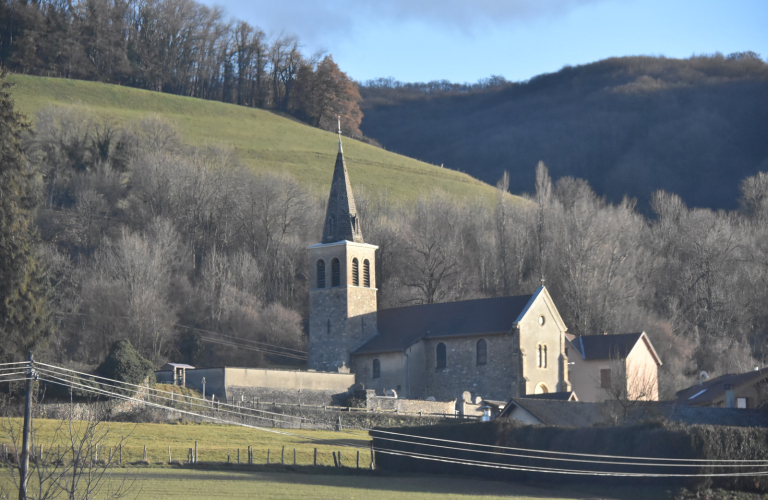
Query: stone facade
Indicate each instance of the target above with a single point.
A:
(541, 327)
(343, 317)
(496, 379)
(523, 335)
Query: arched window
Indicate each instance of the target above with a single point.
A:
(335, 273)
(376, 368)
(320, 274)
(539, 353)
(541, 388)
(440, 356)
(355, 272)
(366, 274)
(482, 352)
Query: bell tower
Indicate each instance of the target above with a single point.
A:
(342, 295)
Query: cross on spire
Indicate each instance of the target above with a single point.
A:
(341, 219)
(339, 118)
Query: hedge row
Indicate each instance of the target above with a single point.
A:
(658, 440)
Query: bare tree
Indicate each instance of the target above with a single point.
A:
(77, 463)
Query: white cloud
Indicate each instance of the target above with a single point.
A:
(315, 20)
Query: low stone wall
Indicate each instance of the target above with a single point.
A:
(294, 417)
(110, 409)
(412, 406)
(253, 395)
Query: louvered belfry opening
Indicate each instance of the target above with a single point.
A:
(366, 274)
(320, 274)
(355, 272)
(335, 273)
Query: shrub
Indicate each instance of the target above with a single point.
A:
(125, 364)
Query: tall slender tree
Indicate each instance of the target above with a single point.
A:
(24, 289)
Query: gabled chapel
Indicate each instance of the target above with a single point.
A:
(495, 348)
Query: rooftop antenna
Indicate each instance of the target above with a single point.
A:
(339, 118)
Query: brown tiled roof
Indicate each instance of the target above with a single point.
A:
(713, 389)
(401, 327)
(341, 219)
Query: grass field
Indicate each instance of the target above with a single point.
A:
(263, 140)
(213, 442)
(214, 478)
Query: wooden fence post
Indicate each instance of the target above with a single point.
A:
(120, 450)
(340, 465)
(169, 455)
(267, 456)
(335, 462)
(294, 456)
(358, 459)
(315, 461)
(195, 451)
(228, 458)
(373, 458)
(238, 455)
(282, 456)
(145, 453)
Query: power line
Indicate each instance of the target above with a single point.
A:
(563, 452)
(297, 351)
(144, 387)
(643, 464)
(266, 344)
(241, 424)
(633, 462)
(251, 348)
(497, 465)
(190, 403)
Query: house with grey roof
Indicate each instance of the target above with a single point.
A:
(734, 390)
(561, 413)
(495, 348)
(610, 367)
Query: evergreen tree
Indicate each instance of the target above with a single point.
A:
(24, 288)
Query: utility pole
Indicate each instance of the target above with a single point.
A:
(24, 466)
(203, 387)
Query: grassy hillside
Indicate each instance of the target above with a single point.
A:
(262, 139)
(630, 125)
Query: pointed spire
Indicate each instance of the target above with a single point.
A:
(341, 219)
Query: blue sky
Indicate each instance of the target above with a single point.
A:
(465, 40)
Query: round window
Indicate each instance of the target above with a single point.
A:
(542, 320)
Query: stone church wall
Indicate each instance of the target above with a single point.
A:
(494, 380)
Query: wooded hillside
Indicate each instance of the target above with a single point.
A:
(629, 125)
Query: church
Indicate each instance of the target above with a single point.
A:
(494, 348)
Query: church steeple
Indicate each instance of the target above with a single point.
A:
(341, 219)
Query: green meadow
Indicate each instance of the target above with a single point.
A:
(214, 442)
(263, 140)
